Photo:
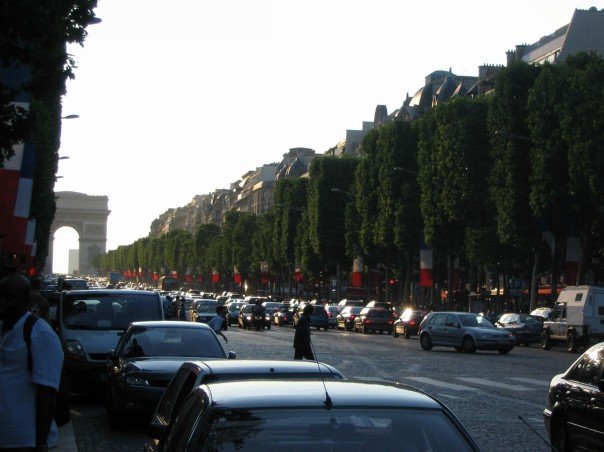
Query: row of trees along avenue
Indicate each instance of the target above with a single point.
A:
(484, 179)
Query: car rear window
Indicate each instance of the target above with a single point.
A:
(335, 429)
(146, 342)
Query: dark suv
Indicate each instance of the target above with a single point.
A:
(408, 323)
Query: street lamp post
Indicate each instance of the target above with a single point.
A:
(338, 265)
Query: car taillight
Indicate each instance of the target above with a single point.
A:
(351, 317)
(367, 321)
(411, 322)
(390, 322)
(329, 315)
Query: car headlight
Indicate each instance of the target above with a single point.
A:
(74, 350)
(136, 381)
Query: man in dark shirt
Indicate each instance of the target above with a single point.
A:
(302, 346)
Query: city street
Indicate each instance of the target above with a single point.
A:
(486, 390)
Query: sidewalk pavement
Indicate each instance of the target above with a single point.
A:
(67, 441)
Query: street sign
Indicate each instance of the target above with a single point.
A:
(516, 286)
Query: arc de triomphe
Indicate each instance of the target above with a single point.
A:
(88, 216)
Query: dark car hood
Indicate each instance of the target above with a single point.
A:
(159, 365)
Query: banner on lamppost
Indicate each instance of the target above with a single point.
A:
(357, 272)
(215, 276)
(298, 276)
(425, 264)
(236, 275)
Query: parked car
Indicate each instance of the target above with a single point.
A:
(90, 323)
(273, 415)
(205, 309)
(318, 318)
(374, 319)
(147, 357)
(332, 312)
(233, 311)
(526, 328)
(465, 332)
(194, 373)
(408, 323)
(284, 316)
(574, 415)
(345, 319)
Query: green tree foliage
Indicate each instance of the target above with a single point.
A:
(511, 170)
(34, 35)
(454, 162)
(327, 208)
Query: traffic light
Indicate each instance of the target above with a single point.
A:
(392, 281)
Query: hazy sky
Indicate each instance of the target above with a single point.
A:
(180, 97)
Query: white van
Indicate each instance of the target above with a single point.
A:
(89, 324)
(577, 319)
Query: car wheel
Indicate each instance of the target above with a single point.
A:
(504, 351)
(325, 328)
(573, 344)
(560, 437)
(468, 344)
(425, 342)
(546, 342)
(407, 333)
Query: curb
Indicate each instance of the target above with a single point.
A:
(66, 442)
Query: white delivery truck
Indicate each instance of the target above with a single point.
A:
(577, 320)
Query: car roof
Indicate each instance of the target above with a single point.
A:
(111, 292)
(311, 393)
(262, 366)
(172, 324)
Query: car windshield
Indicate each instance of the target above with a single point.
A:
(145, 342)
(475, 320)
(108, 311)
(233, 307)
(336, 429)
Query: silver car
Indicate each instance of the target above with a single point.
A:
(464, 331)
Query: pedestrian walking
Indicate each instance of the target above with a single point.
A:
(302, 345)
(216, 322)
(27, 387)
(168, 307)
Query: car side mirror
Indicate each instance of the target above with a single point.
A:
(232, 355)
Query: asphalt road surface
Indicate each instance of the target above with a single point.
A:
(486, 391)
